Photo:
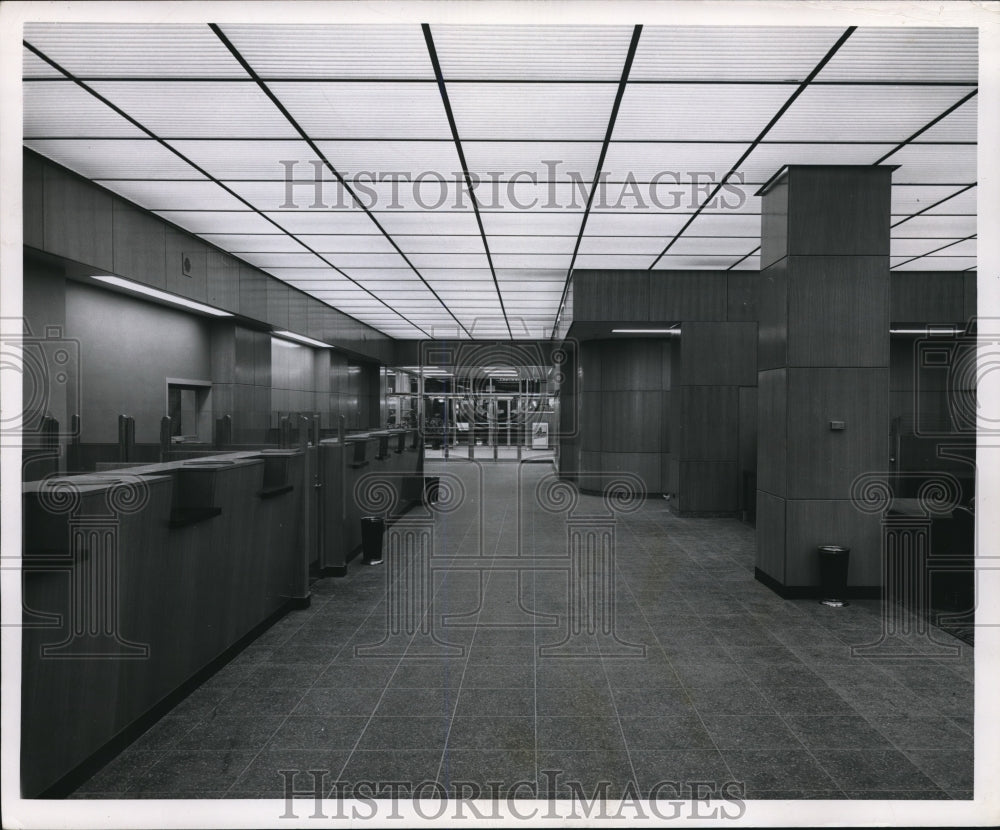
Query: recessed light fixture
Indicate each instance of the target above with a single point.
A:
(139, 288)
(301, 338)
(646, 331)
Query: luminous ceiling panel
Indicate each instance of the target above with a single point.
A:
(907, 200)
(768, 158)
(278, 260)
(202, 109)
(525, 196)
(615, 261)
(540, 111)
(125, 159)
(33, 66)
(374, 243)
(760, 53)
(348, 51)
(279, 195)
(737, 246)
(903, 247)
(623, 244)
(62, 109)
(448, 260)
(356, 261)
(251, 159)
(933, 163)
(964, 202)
(435, 244)
(748, 264)
(277, 242)
(532, 244)
(532, 52)
(324, 222)
(402, 160)
(135, 49)
(863, 113)
(733, 198)
(695, 112)
(939, 263)
(524, 222)
(669, 162)
(536, 275)
(217, 221)
(164, 195)
(671, 261)
(961, 125)
(455, 274)
(622, 223)
(532, 160)
(942, 227)
(439, 223)
(967, 247)
(360, 109)
(725, 224)
(910, 54)
(531, 260)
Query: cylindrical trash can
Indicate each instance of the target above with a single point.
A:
(431, 486)
(372, 532)
(833, 561)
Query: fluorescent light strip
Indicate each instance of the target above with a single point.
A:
(930, 331)
(645, 331)
(139, 288)
(301, 338)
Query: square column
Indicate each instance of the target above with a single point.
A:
(823, 370)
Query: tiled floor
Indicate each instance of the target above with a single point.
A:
(734, 685)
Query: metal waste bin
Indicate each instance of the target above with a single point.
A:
(833, 561)
(372, 533)
(431, 486)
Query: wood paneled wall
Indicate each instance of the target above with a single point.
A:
(70, 217)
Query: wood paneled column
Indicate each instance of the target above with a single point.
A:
(823, 369)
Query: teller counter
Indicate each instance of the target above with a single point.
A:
(374, 473)
(137, 583)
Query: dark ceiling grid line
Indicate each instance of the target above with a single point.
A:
(322, 156)
(931, 207)
(432, 51)
(613, 117)
(767, 128)
(927, 126)
(931, 253)
(584, 81)
(742, 258)
(163, 143)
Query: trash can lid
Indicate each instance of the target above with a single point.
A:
(833, 549)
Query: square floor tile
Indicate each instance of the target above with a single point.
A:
(922, 732)
(425, 733)
(651, 702)
(377, 770)
(750, 732)
(118, 775)
(579, 733)
(227, 732)
(299, 771)
(564, 773)
(501, 769)
(873, 769)
(673, 774)
(498, 675)
(806, 700)
(950, 769)
(438, 702)
(567, 701)
(515, 732)
(253, 702)
(729, 699)
(498, 702)
(331, 702)
(318, 733)
(778, 769)
(182, 772)
(666, 733)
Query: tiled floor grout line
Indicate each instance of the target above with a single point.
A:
(468, 656)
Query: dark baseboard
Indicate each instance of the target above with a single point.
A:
(333, 570)
(813, 591)
(79, 774)
(298, 603)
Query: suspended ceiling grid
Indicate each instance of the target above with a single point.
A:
(586, 147)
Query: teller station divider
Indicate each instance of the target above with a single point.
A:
(377, 473)
(139, 583)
